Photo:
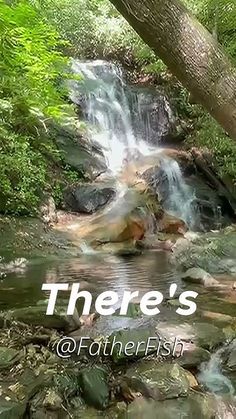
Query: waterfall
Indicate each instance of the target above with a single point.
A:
(178, 197)
(122, 128)
(107, 111)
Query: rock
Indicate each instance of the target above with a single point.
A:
(171, 225)
(47, 210)
(80, 153)
(209, 336)
(152, 241)
(94, 386)
(36, 316)
(127, 219)
(193, 358)
(213, 252)
(199, 276)
(120, 249)
(155, 108)
(158, 381)
(195, 406)
(88, 198)
(133, 311)
(231, 363)
(8, 357)
(204, 335)
(124, 350)
(228, 356)
(191, 379)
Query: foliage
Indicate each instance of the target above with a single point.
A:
(95, 29)
(219, 16)
(31, 97)
(210, 135)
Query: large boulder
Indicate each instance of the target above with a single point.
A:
(197, 405)
(88, 198)
(157, 380)
(154, 119)
(127, 219)
(80, 153)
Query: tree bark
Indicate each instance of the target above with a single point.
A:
(190, 52)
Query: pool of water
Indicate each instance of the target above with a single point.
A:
(96, 273)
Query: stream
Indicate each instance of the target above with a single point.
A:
(118, 124)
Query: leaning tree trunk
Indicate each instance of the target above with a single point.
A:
(190, 52)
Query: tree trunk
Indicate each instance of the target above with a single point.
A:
(190, 52)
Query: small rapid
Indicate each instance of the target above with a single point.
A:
(212, 376)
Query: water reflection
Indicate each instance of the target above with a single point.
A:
(95, 273)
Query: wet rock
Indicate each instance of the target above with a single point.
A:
(8, 357)
(153, 242)
(158, 381)
(125, 248)
(80, 153)
(36, 316)
(94, 386)
(194, 406)
(127, 219)
(88, 198)
(171, 225)
(193, 358)
(204, 335)
(228, 356)
(155, 108)
(133, 311)
(47, 210)
(209, 336)
(199, 276)
(191, 379)
(125, 344)
(213, 252)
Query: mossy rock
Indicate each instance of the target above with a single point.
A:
(119, 343)
(194, 358)
(158, 381)
(94, 387)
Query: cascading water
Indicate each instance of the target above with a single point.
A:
(107, 111)
(112, 110)
(212, 377)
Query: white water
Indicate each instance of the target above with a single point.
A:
(212, 377)
(108, 113)
(106, 107)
